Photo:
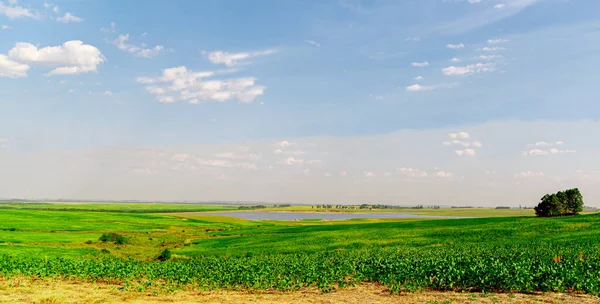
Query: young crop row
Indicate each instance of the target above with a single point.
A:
(534, 267)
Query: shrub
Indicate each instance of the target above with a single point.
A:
(88, 242)
(120, 240)
(105, 251)
(113, 237)
(165, 255)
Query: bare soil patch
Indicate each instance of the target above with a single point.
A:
(56, 291)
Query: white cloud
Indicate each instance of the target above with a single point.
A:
(313, 43)
(417, 87)
(111, 29)
(473, 1)
(223, 177)
(496, 41)
(107, 93)
(187, 85)
(12, 69)
(412, 172)
(5, 27)
(166, 99)
(536, 152)
(68, 17)
(419, 78)
(233, 59)
(292, 161)
(541, 144)
(343, 173)
(279, 151)
(455, 46)
(156, 90)
(71, 91)
(243, 148)
(139, 51)
(284, 143)
(461, 134)
(492, 49)
(145, 171)
(379, 97)
(527, 174)
(489, 57)
(314, 162)
(500, 5)
(556, 151)
(468, 69)
(458, 142)
(246, 165)
(560, 142)
(72, 57)
(443, 174)
(51, 6)
(181, 157)
(552, 151)
(420, 64)
(369, 174)
(326, 174)
(232, 155)
(476, 144)
(454, 60)
(15, 12)
(465, 152)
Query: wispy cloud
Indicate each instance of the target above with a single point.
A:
(417, 87)
(233, 59)
(420, 64)
(455, 46)
(68, 18)
(140, 51)
(468, 69)
(312, 42)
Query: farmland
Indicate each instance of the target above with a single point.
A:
(500, 254)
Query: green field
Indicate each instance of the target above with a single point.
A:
(491, 254)
(117, 207)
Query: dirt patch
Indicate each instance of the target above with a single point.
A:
(55, 292)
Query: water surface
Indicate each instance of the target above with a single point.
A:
(290, 216)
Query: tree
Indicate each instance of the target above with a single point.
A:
(569, 202)
(574, 201)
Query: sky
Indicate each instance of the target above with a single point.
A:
(434, 102)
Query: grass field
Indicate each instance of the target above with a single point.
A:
(518, 253)
(116, 207)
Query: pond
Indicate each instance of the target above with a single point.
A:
(290, 216)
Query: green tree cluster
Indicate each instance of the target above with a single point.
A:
(569, 202)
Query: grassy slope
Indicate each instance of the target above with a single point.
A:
(117, 207)
(317, 238)
(52, 233)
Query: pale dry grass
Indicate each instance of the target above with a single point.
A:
(23, 290)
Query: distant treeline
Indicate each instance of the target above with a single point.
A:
(262, 207)
(113, 210)
(371, 207)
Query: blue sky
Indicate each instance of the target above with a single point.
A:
(83, 76)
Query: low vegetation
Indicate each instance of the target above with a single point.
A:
(510, 254)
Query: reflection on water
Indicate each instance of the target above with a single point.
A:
(289, 216)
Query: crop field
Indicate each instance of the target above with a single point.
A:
(207, 252)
